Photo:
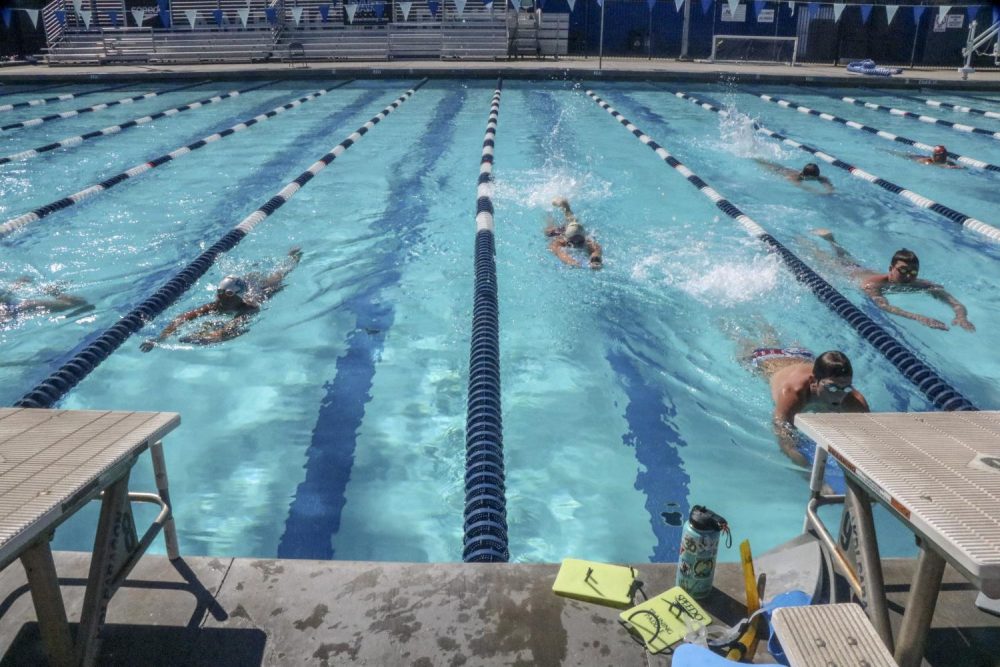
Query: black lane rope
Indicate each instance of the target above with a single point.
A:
(14, 224)
(57, 98)
(938, 104)
(115, 129)
(936, 389)
(967, 221)
(854, 125)
(485, 495)
(97, 107)
(958, 127)
(53, 388)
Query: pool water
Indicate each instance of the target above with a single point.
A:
(334, 428)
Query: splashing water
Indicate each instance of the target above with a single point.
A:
(738, 137)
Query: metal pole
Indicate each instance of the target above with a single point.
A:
(685, 30)
(859, 505)
(600, 48)
(919, 608)
(916, 33)
(649, 36)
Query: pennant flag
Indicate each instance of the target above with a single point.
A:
(516, 3)
(244, 15)
(405, 6)
(866, 11)
(917, 13)
(705, 6)
(164, 12)
(85, 14)
(838, 9)
(6, 14)
(139, 15)
(297, 14)
(380, 9)
(733, 4)
(650, 3)
(269, 12)
(113, 17)
(324, 13)
(791, 8)
(572, 5)
(433, 6)
(489, 5)
(33, 16)
(971, 11)
(61, 16)
(192, 16)
(460, 6)
(943, 10)
(813, 9)
(219, 16)
(757, 6)
(678, 4)
(351, 9)
(76, 5)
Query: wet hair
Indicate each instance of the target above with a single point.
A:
(905, 256)
(811, 169)
(832, 364)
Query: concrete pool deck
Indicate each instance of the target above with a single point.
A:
(243, 611)
(548, 68)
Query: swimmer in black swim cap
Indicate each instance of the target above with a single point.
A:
(810, 172)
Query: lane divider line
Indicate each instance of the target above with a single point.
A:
(956, 107)
(485, 495)
(854, 125)
(21, 221)
(97, 107)
(115, 129)
(967, 221)
(58, 384)
(926, 380)
(958, 127)
(57, 98)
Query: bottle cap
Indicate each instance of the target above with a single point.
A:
(703, 518)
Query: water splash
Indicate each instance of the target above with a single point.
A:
(738, 137)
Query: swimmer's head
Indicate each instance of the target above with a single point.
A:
(940, 154)
(832, 377)
(904, 266)
(811, 170)
(575, 233)
(232, 287)
(561, 202)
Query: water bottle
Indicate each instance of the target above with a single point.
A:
(698, 551)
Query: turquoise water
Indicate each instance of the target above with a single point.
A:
(623, 398)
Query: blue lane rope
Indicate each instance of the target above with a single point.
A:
(485, 496)
(97, 107)
(967, 221)
(930, 384)
(954, 107)
(53, 388)
(19, 222)
(958, 127)
(854, 125)
(116, 129)
(57, 98)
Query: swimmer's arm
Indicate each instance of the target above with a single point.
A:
(874, 291)
(596, 254)
(177, 322)
(961, 314)
(776, 168)
(236, 327)
(788, 405)
(826, 184)
(559, 251)
(856, 402)
(272, 283)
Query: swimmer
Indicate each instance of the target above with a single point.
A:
(938, 158)
(239, 296)
(11, 306)
(809, 173)
(572, 236)
(902, 277)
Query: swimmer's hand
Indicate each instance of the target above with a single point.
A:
(596, 261)
(147, 345)
(296, 254)
(964, 323)
(933, 324)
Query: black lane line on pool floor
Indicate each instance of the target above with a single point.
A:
(117, 129)
(967, 221)
(19, 222)
(957, 108)
(315, 513)
(30, 91)
(855, 125)
(58, 384)
(485, 523)
(930, 384)
(97, 107)
(57, 98)
(958, 127)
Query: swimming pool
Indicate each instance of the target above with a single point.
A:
(344, 404)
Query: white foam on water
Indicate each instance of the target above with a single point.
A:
(738, 137)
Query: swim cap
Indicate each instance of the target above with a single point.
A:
(811, 169)
(574, 230)
(233, 286)
(940, 150)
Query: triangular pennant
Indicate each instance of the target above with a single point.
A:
(678, 4)
(33, 16)
(405, 6)
(113, 17)
(6, 13)
(351, 8)
(866, 11)
(600, 3)
(297, 14)
(971, 11)
(813, 9)
(890, 12)
(733, 4)
(324, 13)
(757, 6)
(489, 6)
(433, 6)
(379, 10)
(650, 4)
(705, 6)
(76, 5)
(86, 14)
(164, 12)
(943, 10)
(572, 5)
(139, 15)
(61, 16)
(192, 16)
(219, 16)
(460, 6)
(838, 9)
(791, 8)
(244, 15)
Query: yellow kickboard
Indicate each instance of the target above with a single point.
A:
(665, 619)
(591, 581)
